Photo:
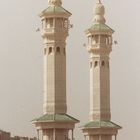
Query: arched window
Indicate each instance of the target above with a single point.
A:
(103, 63)
(59, 22)
(46, 23)
(50, 50)
(93, 40)
(51, 22)
(58, 49)
(110, 40)
(95, 63)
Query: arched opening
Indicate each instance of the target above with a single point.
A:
(59, 22)
(51, 22)
(47, 23)
(96, 64)
(89, 40)
(110, 40)
(96, 37)
(103, 63)
(50, 50)
(58, 49)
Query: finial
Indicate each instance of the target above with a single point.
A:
(99, 12)
(55, 2)
(98, 1)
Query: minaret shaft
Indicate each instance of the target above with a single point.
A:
(55, 79)
(99, 88)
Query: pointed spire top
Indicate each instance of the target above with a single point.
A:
(99, 12)
(98, 1)
(55, 2)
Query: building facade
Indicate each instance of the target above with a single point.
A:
(100, 126)
(7, 136)
(55, 123)
(4, 135)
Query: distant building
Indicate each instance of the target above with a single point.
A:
(4, 135)
(22, 138)
(7, 136)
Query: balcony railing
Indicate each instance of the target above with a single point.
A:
(54, 30)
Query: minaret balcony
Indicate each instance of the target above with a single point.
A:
(97, 48)
(48, 31)
(100, 45)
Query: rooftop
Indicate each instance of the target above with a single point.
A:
(55, 117)
(55, 10)
(101, 124)
(100, 27)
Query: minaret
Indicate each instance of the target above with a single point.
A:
(99, 47)
(55, 123)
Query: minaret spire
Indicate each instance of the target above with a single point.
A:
(100, 126)
(98, 1)
(99, 13)
(55, 2)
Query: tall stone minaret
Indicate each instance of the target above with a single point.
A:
(55, 123)
(99, 47)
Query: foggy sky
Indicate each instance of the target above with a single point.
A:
(21, 64)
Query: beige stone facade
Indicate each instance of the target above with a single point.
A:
(7, 136)
(4, 135)
(55, 123)
(99, 47)
(54, 33)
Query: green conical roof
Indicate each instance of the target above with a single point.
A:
(101, 124)
(55, 117)
(100, 27)
(53, 9)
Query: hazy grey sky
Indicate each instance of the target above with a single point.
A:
(21, 63)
